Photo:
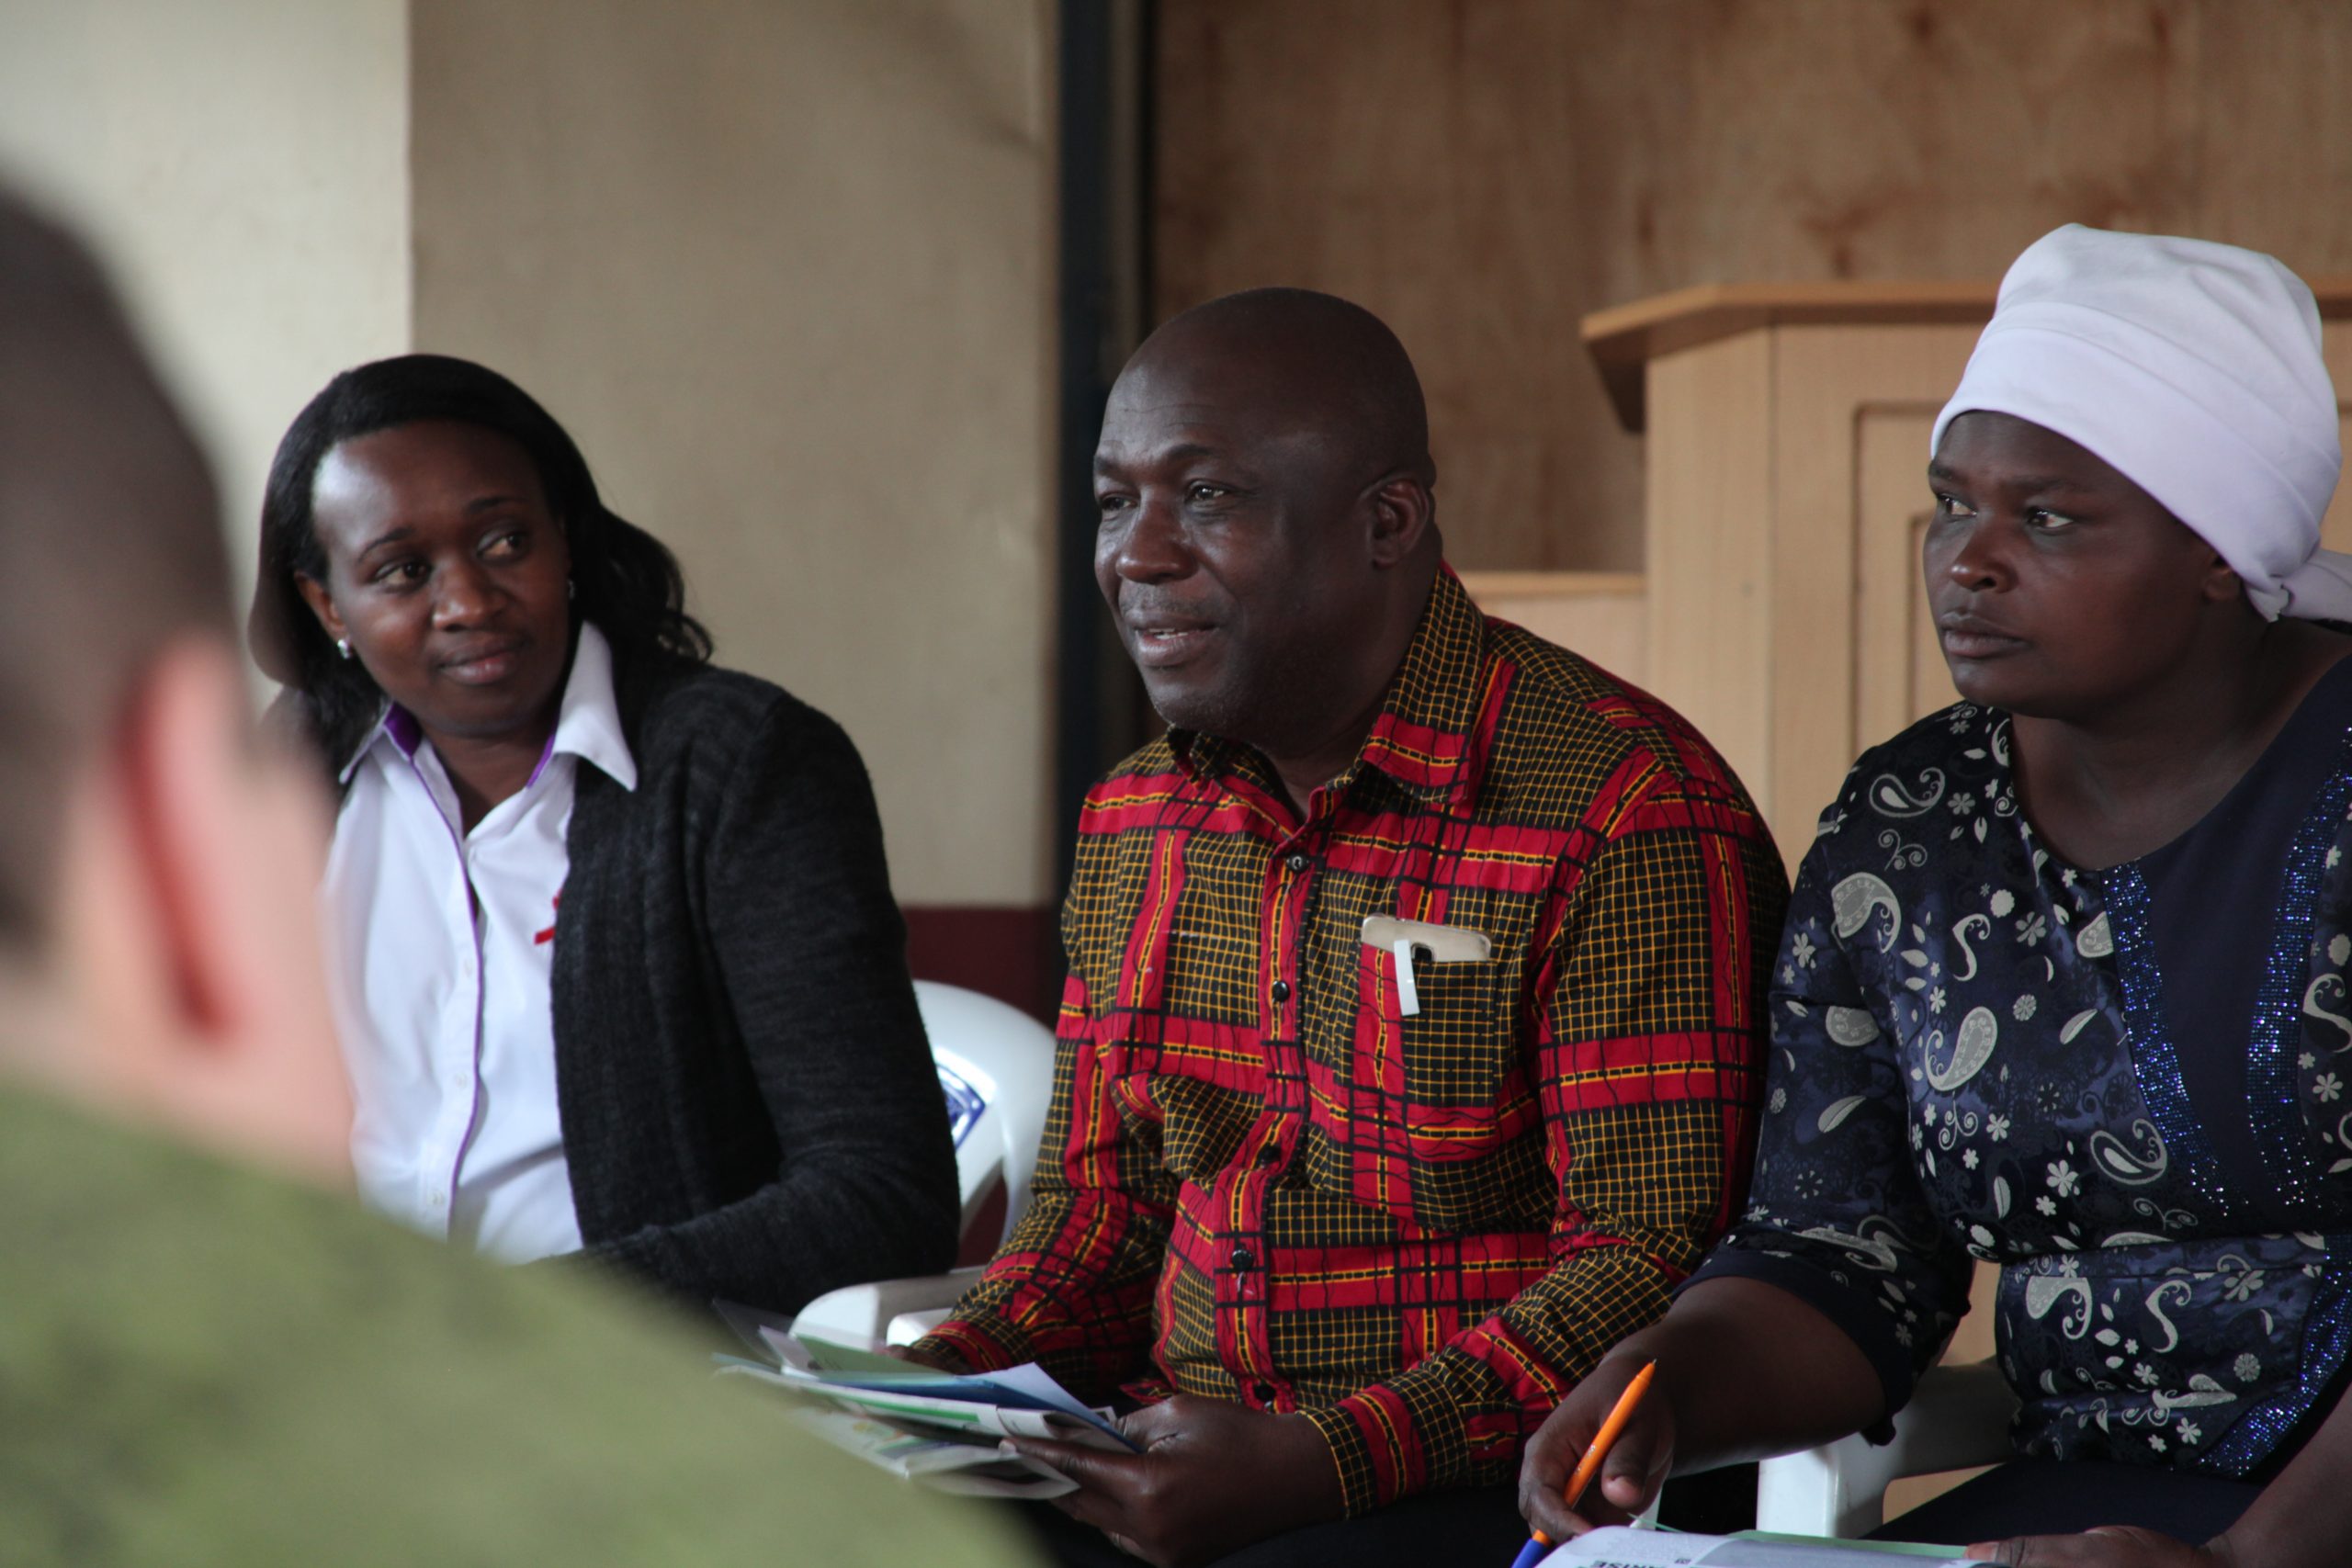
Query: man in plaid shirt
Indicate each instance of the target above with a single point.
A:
(1352, 1221)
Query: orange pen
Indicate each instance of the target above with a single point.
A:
(1595, 1451)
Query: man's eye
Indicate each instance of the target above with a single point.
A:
(1108, 504)
(1951, 506)
(1204, 492)
(2047, 520)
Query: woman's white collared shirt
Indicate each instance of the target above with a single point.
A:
(441, 945)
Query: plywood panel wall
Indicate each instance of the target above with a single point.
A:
(1482, 173)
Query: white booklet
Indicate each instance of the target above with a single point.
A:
(971, 1468)
(1621, 1548)
(947, 1431)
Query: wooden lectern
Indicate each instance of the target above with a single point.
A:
(1786, 471)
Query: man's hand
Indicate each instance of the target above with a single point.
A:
(1211, 1478)
(1636, 1466)
(2110, 1546)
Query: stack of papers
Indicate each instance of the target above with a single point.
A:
(945, 1430)
(1621, 1548)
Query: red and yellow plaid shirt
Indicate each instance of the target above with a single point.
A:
(1421, 1230)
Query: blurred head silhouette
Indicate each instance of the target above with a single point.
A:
(158, 955)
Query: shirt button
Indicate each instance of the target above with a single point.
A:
(1241, 1260)
(1281, 991)
(1262, 1391)
(1296, 862)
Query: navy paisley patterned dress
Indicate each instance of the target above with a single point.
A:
(2127, 1087)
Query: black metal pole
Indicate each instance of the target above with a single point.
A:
(1084, 309)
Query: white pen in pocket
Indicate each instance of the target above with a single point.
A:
(1442, 944)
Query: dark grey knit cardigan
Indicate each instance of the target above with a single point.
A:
(748, 1105)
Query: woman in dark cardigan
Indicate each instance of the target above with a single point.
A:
(617, 967)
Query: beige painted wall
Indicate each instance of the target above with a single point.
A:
(244, 165)
(785, 272)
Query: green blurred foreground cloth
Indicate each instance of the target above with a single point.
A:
(202, 1365)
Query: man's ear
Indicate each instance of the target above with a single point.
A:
(183, 774)
(322, 604)
(193, 931)
(1403, 512)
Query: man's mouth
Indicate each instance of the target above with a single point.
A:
(1159, 643)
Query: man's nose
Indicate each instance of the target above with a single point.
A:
(1150, 549)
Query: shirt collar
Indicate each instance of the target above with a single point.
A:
(588, 724)
(1422, 733)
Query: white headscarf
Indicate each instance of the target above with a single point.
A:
(2193, 368)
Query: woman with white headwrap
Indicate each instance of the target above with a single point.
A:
(2064, 981)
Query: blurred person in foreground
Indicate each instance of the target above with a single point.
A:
(2087, 1020)
(1348, 1218)
(204, 1357)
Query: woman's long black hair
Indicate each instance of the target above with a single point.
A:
(625, 580)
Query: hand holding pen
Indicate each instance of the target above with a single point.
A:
(1550, 1503)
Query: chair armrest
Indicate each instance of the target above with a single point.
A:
(1958, 1417)
(863, 1318)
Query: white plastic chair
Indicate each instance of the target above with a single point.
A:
(1958, 1418)
(996, 1067)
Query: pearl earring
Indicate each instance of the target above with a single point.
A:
(343, 646)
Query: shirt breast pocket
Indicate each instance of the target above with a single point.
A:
(1458, 1047)
(1450, 1106)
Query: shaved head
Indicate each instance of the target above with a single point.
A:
(1322, 360)
(1268, 540)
